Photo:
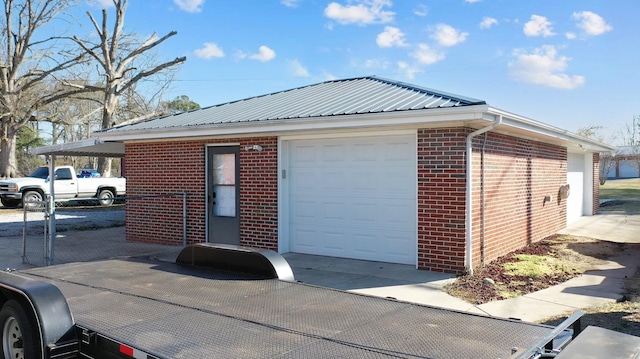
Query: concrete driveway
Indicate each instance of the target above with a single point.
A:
(608, 227)
(388, 280)
(402, 282)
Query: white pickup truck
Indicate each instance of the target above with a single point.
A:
(67, 186)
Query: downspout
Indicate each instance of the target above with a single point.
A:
(483, 200)
(469, 199)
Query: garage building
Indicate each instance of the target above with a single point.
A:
(364, 168)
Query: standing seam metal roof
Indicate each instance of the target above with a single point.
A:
(360, 95)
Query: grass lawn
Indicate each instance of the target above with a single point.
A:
(620, 196)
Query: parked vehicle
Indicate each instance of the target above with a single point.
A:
(231, 302)
(67, 186)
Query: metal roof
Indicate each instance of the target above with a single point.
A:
(353, 96)
(91, 147)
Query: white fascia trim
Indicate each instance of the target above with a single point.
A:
(398, 118)
(532, 126)
(354, 134)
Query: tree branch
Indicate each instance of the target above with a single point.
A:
(155, 70)
(146, 46)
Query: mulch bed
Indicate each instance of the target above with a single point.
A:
(478, 289)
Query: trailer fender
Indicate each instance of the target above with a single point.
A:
(262, 262)
(43, 300)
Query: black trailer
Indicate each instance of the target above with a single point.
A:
(224, 302)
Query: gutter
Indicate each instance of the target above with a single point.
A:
(469, 194)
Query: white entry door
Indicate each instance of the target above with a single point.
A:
(575, 179)
(353, 198)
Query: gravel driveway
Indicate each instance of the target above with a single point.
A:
(72, 218)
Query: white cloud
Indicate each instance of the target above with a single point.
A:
(290, 3)
(408, 70)
(101, 3)
(544, 67)
(362, 12)
(426, 55)
(375, 64)
(472, 1)
(421, 10)
(390, 37)
(570, 35)
(209, 51)
(538, 26)
(264, 54)
(328, 76)
(298, 69)
(190, 5)
(487, 22)
(591, 23)
(446, 35)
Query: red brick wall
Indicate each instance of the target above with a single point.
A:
(441, 199)
(179, 166)
(162, 168)
(518, 174)
(259, 194)
(596, 183)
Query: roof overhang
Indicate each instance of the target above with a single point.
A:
(91, 147)
(475, 116)
(525, 127)
(455, 116)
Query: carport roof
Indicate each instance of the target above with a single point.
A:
(90, 147)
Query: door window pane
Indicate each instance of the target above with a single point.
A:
(224, 169)
(225, 201)
(224, 181)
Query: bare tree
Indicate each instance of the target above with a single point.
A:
(115, 54)
(631, 139)
(607, 159)
(25, 64)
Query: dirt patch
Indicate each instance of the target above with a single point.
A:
(549, 262)
(534, 267)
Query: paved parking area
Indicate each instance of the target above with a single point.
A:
(401, 282)
(78, 246)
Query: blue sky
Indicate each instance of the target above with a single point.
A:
(569, 63)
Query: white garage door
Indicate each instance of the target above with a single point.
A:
(354, 198)
(575, 179)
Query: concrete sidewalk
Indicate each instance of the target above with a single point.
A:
(401, 282)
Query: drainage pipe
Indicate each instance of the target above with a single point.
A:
(469, 193)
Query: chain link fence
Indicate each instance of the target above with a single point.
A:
(35, 233)
(88, 231)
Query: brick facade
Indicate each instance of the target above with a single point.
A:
(517, 174)
(162, 168)
(521, 205)
(596, 183)
(168, 167)
(441, 199)
(259, 194)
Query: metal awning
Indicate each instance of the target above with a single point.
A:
(91, 147)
